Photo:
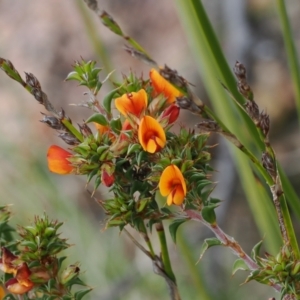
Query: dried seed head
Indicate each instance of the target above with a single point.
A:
(269, 164)
(62, 116)
(264, 123)
(32, 81)
(208, 125)
(185, 102)
(243, 86)
(38, 95)
(173, 77)
(85, 130)
(68, 138)
(52, 122)
(139, 55)
(252, 110)
(92, 4)
(239, 70)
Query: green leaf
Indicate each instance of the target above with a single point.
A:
(97, 118)
(255, 251)
(239, 264)
(9, 297)
(116, 125)
(73, 76)
(60, 260)
(208, 243)
(108, 99)
(141, 204)
(51, 284)
(91, 175)
(212, 63)
(165, 210)
(133, 148)
(109, 22)
(208, 213)
(174, 226)
(79, 295)
(141, 156)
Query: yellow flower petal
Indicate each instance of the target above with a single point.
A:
(151, 135)
(162, 86)
(58, 160)
(172, 185)
(2, 292)
(133, 103)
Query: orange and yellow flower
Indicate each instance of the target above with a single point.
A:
(162, 86)
(172, 185)
(134, 103)
(151, 135)
(58, 160)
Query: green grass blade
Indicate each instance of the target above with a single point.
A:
(212, 63)
(291, 51)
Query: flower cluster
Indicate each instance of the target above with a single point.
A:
(31, 264)
(134, 152)
(21, 282)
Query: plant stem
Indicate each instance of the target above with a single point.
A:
(229, 242)
(284, 219)
(93, 35)
(164, 251)
(145, 235)
(73, 130)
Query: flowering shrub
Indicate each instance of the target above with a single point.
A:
(129, 146)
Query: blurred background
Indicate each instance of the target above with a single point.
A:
(45, 38)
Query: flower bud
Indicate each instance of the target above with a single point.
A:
(69, 273)
(172, 113)
(107, 179)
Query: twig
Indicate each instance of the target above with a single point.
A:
(229, 242)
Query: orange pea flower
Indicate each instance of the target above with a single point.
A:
(58, 160)
(151, 135)
(162, 86)
(133, 103)
(172, 185)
